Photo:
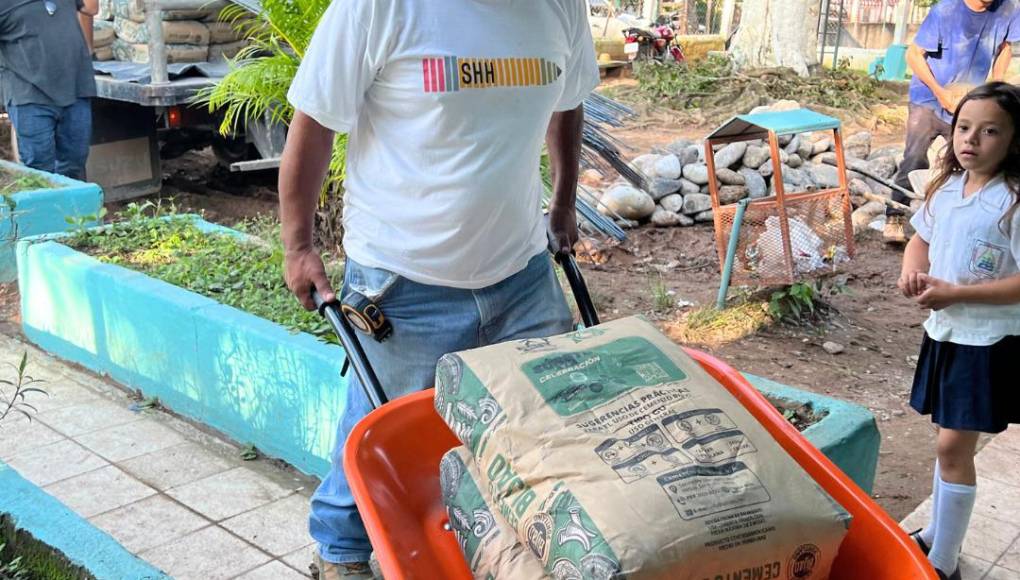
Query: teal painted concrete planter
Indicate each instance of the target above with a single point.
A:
(252, 379)
(249, 378)
(42, 211)
(847, 435)
(52, 523)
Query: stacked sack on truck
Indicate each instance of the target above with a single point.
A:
(610, 453)
(103, 36)
(192, 34)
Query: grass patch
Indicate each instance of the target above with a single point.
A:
(711, 327)
(13, 182)
(22, 557)
(247, 275)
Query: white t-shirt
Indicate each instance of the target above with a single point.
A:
(447, 103)
(967, 245)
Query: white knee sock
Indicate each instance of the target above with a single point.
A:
(956, 502)
(928, 533)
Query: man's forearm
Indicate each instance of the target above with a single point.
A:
(919, 66)
(1004, 291)
(1002, 62)
(563, 140)
(303, 169)
(85, 21)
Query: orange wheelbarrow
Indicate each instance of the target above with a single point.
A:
(392, 464)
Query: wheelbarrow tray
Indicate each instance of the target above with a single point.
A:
(392, 464)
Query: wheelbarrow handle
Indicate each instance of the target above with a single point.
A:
(589, 316)
(363, 369)
(355, 354)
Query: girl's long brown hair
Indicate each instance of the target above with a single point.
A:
(1008, 98)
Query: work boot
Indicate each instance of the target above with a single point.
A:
(349, 571)
(894, 231)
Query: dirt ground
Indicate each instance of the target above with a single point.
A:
(879, 329)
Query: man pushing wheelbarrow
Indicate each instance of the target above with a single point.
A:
(447, 108)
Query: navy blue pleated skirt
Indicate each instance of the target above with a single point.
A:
(970, 388)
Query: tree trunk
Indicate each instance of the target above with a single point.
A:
(777, 33)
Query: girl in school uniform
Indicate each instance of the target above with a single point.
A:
(964, 265)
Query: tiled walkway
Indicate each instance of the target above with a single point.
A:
(177, 497)
(992, 549)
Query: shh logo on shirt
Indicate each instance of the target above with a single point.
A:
(451, 74)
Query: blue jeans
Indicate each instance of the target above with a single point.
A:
(54, 139)
(428, 322)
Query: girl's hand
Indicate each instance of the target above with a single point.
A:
(938, 293)
(910, 284)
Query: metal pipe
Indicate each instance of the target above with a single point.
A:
(731, 253)
(157, 47)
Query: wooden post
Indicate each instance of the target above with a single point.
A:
(777, 184)
(713, 190)
(848, 226)
(729, 8)
(157, 48)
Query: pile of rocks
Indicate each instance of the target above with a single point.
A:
(677, 193)
(193, 34)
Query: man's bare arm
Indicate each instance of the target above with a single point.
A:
(303, 170)
(563, 140)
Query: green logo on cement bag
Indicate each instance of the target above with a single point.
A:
(470, 519)
(463, 401)
(574, 382)
(566, 540)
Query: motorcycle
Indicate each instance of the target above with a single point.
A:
(660, 43)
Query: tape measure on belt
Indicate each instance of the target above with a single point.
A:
(366, 316)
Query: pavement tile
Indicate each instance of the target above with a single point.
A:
(94, 416)
(300, 559)
(278, 528)
(1011, 559)
(177, 465)
(988, 539)
(99, 491)
(148, 523)
(1008, 439)
(229, 493)
(972, 568)
(1000, 573)
(999, 464)
(54, 462)
(919, 518)
(997, 500)
(18, 434)
(130, 440)
(274, 570)
(208, 554)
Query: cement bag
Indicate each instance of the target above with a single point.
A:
(105, 10)
(174, 32)
(128, 52)
(103, 53)
(225, 51)
(613, 454)
(222, 32)
(135, 10)
(490, 546)
(102, 33)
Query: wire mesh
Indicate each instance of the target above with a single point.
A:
(813, 241)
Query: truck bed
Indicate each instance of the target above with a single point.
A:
(176, 92)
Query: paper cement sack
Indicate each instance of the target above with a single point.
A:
(127, 52)
(196, 10)
(102, 34)
(223, 32)
(488, 542)
(225, 50)
(612, 453)
(174, 32)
